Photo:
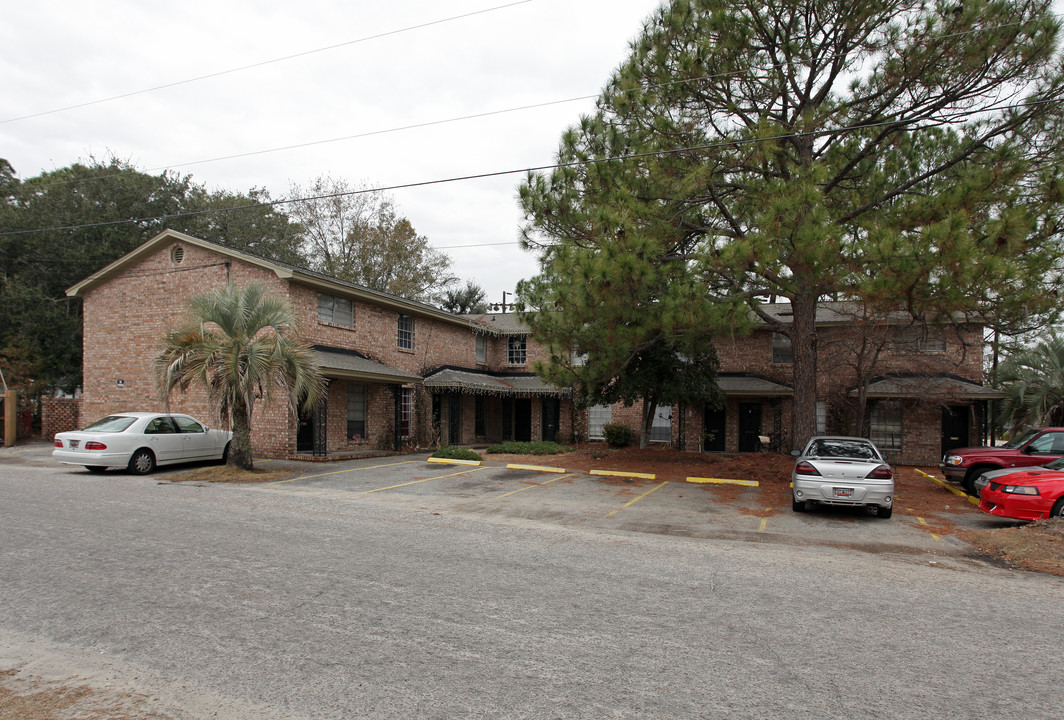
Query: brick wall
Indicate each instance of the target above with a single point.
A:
(59, 415)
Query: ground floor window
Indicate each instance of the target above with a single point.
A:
(356, 412)
(661, 427)
(597, 416)
(885, 425)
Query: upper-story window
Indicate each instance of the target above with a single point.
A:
(577, 358)
(782, 352)
(920, 340)
(515, 350)
(480, 350)
(337, 310)
(406, 332)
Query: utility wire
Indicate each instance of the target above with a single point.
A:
(263, 63)
(528, 170)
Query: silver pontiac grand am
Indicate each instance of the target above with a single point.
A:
(842, 471)
(140, 441)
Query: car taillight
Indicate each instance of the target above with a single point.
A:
(58, 442)
(804, 468)
(880, 473)
(93, 445)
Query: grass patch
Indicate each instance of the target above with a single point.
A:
(450, 452)
(539, 447)
(1036, 546)
(229, 474)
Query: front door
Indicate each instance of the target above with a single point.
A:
(955, 427)
(551, 418)
(454, 422)
(714, 425)
(749, 427)
(523, 419)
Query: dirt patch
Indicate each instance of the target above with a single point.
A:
(229, 474)
(25, 697)
(1034, 546)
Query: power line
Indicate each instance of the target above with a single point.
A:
(263, 63)
(535, 169)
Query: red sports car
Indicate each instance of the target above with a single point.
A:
(1025, 495)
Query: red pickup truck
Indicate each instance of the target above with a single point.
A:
(1034, 447)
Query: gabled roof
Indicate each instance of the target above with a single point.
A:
(284, 271)
(352, 365)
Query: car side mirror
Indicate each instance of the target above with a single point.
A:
(795, 453)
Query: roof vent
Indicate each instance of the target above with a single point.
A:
(177, 254)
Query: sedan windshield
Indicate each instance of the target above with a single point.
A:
(112, 424)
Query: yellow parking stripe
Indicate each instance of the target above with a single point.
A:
(924, 523)
(764, 524)
(634, 500)
(955, 491)
(453, 461)
(340, 472)
(530, 487)
(415, 482)
(537, 468)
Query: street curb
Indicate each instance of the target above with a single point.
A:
(621, 473)
(537, 468)
(450, 461)
(724, 481)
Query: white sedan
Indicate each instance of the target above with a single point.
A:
(842, 471)
(140, 441)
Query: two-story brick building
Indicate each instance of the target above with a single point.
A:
(402, 373)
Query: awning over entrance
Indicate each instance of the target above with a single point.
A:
(349, 365)
(477, 383)
(741, 385)
(939, 387)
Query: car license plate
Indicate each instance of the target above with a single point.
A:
(74, 444)
(843, 492)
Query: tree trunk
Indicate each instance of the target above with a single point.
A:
(240, 448)
(649, 407)
(804, 345)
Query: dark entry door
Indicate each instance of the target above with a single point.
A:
(713, 428)
(749, 427)
(454, 419)
(551, 418)
(955, 427)
(523, 419)
(305, 433)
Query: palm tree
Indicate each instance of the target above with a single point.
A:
(1033, 380)
(241, 344)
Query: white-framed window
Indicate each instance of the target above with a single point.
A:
(782, 351)
(356, 412)
(516, 353)
(336, 310)
(406, 410)
(661, 425)
(480, 349)
(405, 332)
(597, 416)
(577, 358)
(885, 425)
(821, 417)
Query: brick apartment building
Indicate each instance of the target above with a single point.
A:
(405, 374)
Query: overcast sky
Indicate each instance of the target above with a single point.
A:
(395, 64)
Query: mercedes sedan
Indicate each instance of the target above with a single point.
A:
(842, 471)
(140, 441)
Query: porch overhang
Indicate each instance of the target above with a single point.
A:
(479, 383)
(742, 385)
(943, 387)
(349, 365)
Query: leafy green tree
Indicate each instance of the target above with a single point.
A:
(464, 300)
(358, 235)
(63, 225)
(240, 344)
(1033, 381)
(899, 153)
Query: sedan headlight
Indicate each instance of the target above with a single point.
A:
(1020, 490)
(953, 459)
